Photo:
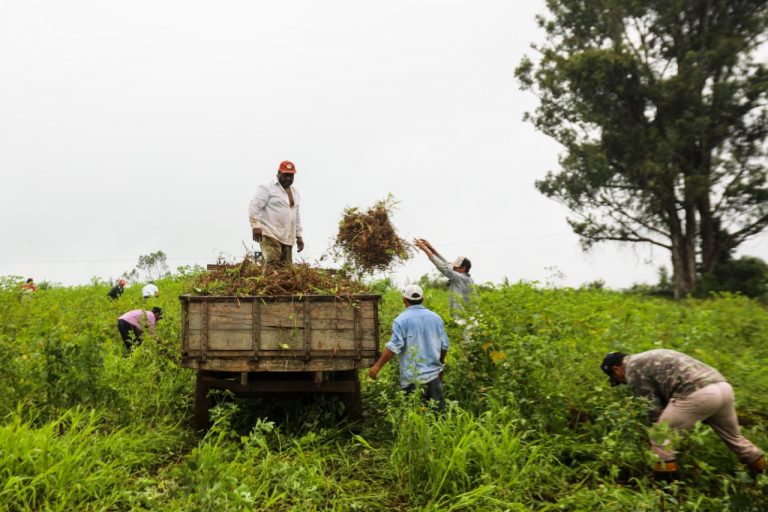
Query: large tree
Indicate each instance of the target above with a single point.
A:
(661, 107)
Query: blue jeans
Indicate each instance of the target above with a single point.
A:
(430, 391)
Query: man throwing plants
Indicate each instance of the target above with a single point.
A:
(421, 343)
(682, 391)
(459, 281)
(275, 219)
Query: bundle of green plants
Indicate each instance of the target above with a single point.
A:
(252, 278)
(368, 241)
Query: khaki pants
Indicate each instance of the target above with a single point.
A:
(275, 254)
(714, 405)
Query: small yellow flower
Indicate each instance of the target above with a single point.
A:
(497, 356)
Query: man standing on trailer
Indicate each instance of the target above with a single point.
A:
(275, 219)
(421, 343)
(682, 391)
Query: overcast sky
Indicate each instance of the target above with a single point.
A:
(130, 127)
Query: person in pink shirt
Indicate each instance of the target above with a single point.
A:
(135, 322)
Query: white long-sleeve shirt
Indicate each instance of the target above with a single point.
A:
(270, 210)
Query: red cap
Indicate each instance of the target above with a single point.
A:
(287, 167)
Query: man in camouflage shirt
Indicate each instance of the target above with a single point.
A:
(682, 391)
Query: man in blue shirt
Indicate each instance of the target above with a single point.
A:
(421, 343)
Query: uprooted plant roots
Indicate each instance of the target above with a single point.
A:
(368, 241)
(251, 278)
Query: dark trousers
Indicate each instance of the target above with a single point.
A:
(126, 330)
(430, 391)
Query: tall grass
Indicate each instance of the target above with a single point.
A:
(531, 422)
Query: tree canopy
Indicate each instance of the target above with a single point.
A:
(662, 110)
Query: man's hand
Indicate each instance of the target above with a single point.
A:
(257, 235)
(423, 245)
(374, 372)
(299, 244)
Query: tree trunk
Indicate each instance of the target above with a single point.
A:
(683, 268)
(683, 252)
(708, 228)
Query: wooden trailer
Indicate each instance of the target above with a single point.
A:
(265, 345)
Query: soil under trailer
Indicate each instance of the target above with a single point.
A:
(264, 346)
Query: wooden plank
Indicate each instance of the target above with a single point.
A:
(307, 330)
(282, 314)
(204, 330)
(184, 327)
(358, 334)
(270, 387)
(279, 354)
(288, 365)
(194, 342)
(277, 338)
(375, 330)
(234, 316)
(229, 340)
(339, 311)
(281, 298)
(326, 340)
(195, 312)
(255, 328)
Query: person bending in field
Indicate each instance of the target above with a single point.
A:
(421, 343)
(460, 283)
(150, 291)
(27, 289)
(132, 324)
(275, 220)
(682, 391)
(116, 291)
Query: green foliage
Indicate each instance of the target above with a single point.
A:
(531, 423)
(662, 110)
(151, 267)
(747, 275)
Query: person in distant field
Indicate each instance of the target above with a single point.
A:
(275, 219)
(421, 343)
(134, 322)
(28, 287)
(460, 283)
(116, 291)
(150, 291)
(682, 391)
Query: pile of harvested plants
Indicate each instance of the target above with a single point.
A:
(250, 278)
(368, 241)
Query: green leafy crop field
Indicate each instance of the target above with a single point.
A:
(532, 422)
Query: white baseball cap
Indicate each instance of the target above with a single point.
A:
(458, 261)
(413, 292)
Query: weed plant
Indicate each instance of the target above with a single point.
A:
(531, 424)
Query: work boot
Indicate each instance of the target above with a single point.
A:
(666, 472)
(758, 466)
